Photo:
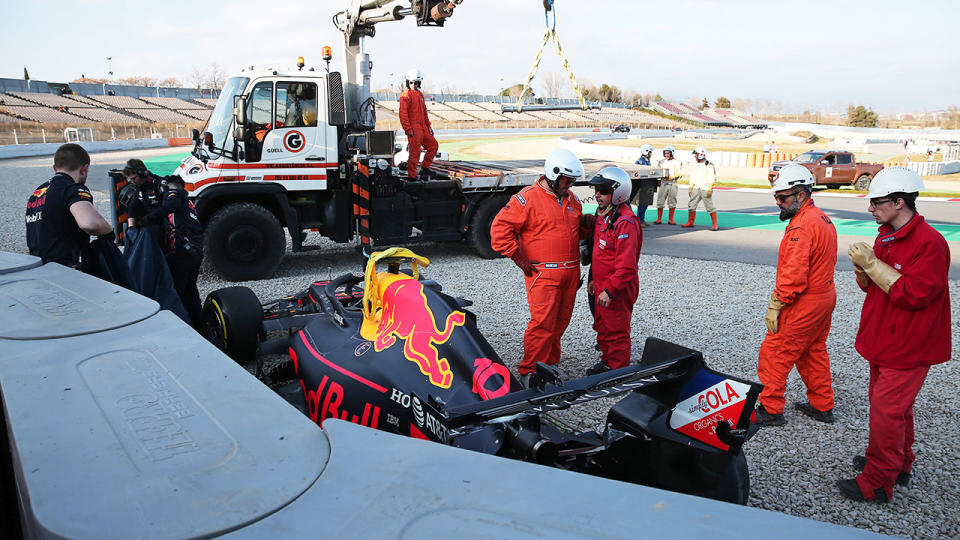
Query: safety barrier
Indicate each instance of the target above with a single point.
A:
(120, 418)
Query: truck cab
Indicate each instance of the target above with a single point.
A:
(287, 138)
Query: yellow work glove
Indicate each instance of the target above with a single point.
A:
(862, 255)
(710, 193)
(773, 312)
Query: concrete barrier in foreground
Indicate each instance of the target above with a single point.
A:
(120, 421)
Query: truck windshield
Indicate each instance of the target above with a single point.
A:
(806, 157)
(222, 116)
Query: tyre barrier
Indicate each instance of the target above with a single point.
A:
(118, 417)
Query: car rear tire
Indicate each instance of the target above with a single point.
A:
(862, 183)
(232, 321)
(244, 241)
(479, 235)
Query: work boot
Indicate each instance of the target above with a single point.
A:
(644, 224)
(525, 379)
(427, 174)
(820, 416)
(659, 220)
(671, 221)
(597, 368)
(765, 419)
(860, 462)
(693, 215)
(851, 490)
(713, 217)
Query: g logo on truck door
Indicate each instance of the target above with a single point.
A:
(293, 141)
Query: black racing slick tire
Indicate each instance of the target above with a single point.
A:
(479, 235)
(244, 241)
(862, 183)
(232, 321)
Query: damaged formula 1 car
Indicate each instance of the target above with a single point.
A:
(389, 350)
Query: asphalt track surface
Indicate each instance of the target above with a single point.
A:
(750, 229)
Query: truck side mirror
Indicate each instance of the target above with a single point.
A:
(196, 135)
(336, 106)
(208, 140)
(238, 133)
(240, 110)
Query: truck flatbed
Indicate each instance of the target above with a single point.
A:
(496, 175)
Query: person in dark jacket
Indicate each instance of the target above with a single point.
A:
(904, 327)
(183, 245)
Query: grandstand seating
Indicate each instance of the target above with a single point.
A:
(40, 114)
(104, 115)
(124, 102)
(175, 104)
(162, 115)
(206, 101)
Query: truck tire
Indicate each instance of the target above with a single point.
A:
(232, 320)
(244, 241)
(862, 183)
(479, 235)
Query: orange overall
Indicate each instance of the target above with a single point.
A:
(805, 268)
(547, 231)
(416, 124)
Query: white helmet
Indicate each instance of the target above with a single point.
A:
(792, 175)
(616, 178)
(646, 150)
(672, 150)
(562, 162)
(414, 75)
(895, 180)
(700, 152)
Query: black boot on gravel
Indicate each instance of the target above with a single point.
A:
(903, 479)
(597, 368)
(765, 419)
(851, 490)
(820, 416)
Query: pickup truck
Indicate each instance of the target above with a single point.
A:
(831, 168)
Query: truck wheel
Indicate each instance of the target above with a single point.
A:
(244, 241)
(232, 319)
(479, 235)
(862, 183)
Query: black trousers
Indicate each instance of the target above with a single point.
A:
(185, 268)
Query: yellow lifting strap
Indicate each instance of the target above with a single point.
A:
(550, 33)
(372, 301)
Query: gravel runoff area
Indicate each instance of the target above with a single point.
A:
(714, 307)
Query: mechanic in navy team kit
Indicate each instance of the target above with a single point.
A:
(615, 282)
(60, 215)
(646, 152)
(142, 194)
(183, 244)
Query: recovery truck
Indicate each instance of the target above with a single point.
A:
(297, 150)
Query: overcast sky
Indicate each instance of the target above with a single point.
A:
(902, 56)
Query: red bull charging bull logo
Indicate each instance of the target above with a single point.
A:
(406, 315)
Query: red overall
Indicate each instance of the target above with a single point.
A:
(617, 239)
(902, 334)
(805, 268)
(416, 124)
(547, 232)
